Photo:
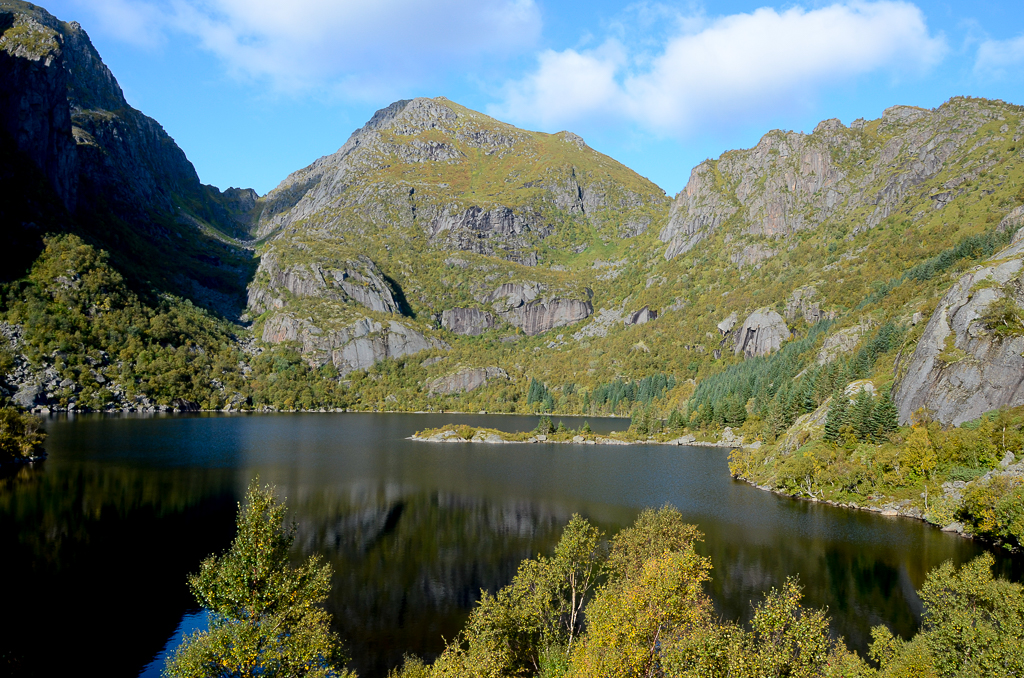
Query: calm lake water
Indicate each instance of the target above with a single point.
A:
(95, 544)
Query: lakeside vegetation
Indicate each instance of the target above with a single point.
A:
(634, 603)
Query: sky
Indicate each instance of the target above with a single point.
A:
(252, 90)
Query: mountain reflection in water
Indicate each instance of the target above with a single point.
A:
(97, 542)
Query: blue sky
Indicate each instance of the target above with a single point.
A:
(255, 89)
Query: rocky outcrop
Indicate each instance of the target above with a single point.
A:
(644, 315)
(763, 332)
(467, 321)
(539, 316)
(752, 255)
(800, 305)
(791, 181)
(519, 305)
(961, 368)
(358, 280)
(725, 327)
(499, 231)
(842, 342)
(465, 380)
(355, 347)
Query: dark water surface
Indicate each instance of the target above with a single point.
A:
(95, 545)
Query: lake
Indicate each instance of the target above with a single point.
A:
(96, 542)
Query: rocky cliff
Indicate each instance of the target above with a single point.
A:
(354, 347)
(465, 380)
(790, 181)
(126, 184)
(970, 358)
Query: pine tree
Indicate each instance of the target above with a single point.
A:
(837, 416)
(860, 416)
(544, 425)
(885, 417)
(736, 412)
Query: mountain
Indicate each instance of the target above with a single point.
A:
(444, 259)
(105, 170)
(435, 216)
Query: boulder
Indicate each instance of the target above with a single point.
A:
(30, 395)
(465, 380)
(725, 327)
(762, 333)
(960, 369)
(644, 315)
(467, 321)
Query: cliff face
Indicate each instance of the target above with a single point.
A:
(355, 347)
(969, 360)
(33, 101)
(125, 183)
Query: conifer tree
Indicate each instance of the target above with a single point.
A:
(885, 416)
(837, 415)
(860, 416)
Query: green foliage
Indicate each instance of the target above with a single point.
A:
(607, 397)
(265, 615)
(973, 623)
(968, 247)
(79, 315)
(1004, 317)
(21, 435)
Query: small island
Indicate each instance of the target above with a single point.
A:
(547, 432)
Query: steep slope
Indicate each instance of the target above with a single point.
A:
(447, 217)
(121, 179)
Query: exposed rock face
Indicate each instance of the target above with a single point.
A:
(358, 280)
(540, 316)
(496, 231)
(468, 321)
(791, 181)
(520, 306)
(33, 101)
(842, 342)
(1013, 221)
(351, 348)
(799, 304)
(644, 315)
(762, 333)
(465, 381)
(752, 255)
(960, 369)
(725, 327)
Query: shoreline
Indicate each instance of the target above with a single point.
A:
(495, 438)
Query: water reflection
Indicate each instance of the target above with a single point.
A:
(99, 540)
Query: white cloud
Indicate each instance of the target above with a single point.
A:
(302, 44)
(996, 56)
(720, 68)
